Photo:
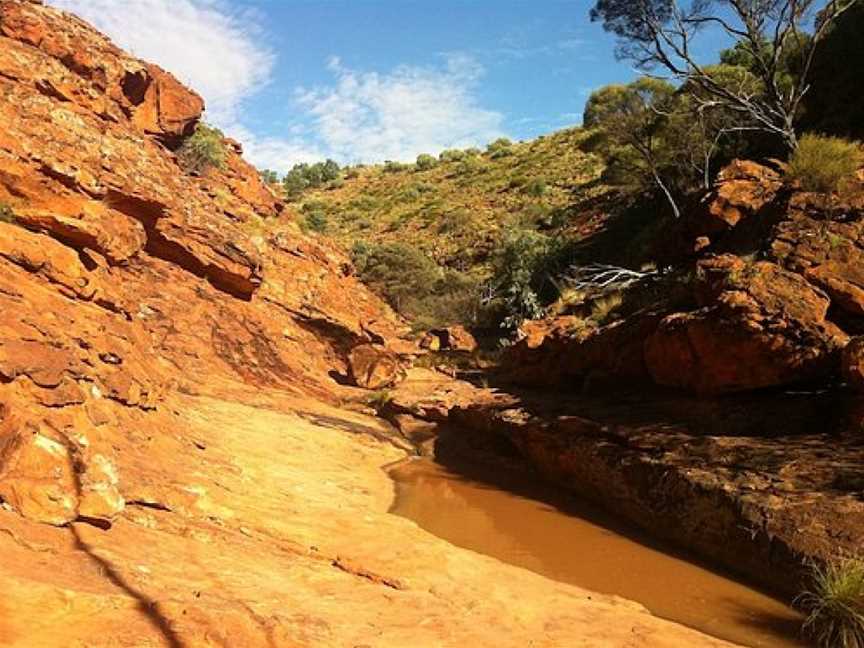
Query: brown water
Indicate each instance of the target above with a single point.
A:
(526, 525)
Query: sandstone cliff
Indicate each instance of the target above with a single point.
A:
(171, 472)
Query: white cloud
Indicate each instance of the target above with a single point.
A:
(274, 153)
(216, 49)
(373, 117)
(203, 43)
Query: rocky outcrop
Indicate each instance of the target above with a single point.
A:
(776, 291)
(760, 326)
(453, 338)
(375, 368)
(761, 486)
(170, 472)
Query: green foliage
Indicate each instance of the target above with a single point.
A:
(524, 263)
(425, 162)
(451, 155)
(835, 604)
(316, 221)
(825, 164)
(398, 272)
(536, 188)
(414, 285)
(468, 166)
(391, 166)
(202, 150)
(517, 181)
(269, 177)
(501, 147)
(6, 213)
(310, 176)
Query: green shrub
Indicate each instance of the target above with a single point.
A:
(500, 148)
(202, 150)
(536, 188)
(517, 181)
(451, 155)
(523, 265)
(835, 604)
(316, 221)
(469, 166)
(303, 176)
(425, 162)
(825, 164)
(391, 166)
(6, 213)
(413, 284)
(269, 176)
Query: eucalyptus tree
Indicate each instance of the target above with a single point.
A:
(660, 36)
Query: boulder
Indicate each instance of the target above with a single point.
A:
(452, 338)
(741, 190)
(374, 367)
(760, 326)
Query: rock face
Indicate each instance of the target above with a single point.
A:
(375, 368)
(123, 279)
(748, 324)
(452, 338)
(170, 472)
(761, 326)
(761, 485)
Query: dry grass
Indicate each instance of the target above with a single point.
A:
(835, 604)
(826, 164)
(603, 307)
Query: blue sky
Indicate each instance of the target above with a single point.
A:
(369, 80)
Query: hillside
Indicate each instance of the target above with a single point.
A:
(447, 226)
(456, 210)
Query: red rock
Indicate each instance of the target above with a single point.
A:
(742, 189)
(452, 338)
(761, 326)
(373, 367)
(36, 473)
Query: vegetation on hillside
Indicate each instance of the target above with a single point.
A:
(430, 236)
(202, 150)
(484, 237)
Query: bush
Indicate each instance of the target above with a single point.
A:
(303, 176)
(522, 268)
(316, 221)
(391, 166)
(451, 155)
(500, 148)
(414, 285)
(825, 164)
(202, 150)
(835, 605)
(425, 162)
(269, 176)
(518, 181)
(536, 188)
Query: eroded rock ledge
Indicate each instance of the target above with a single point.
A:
(170, 472)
